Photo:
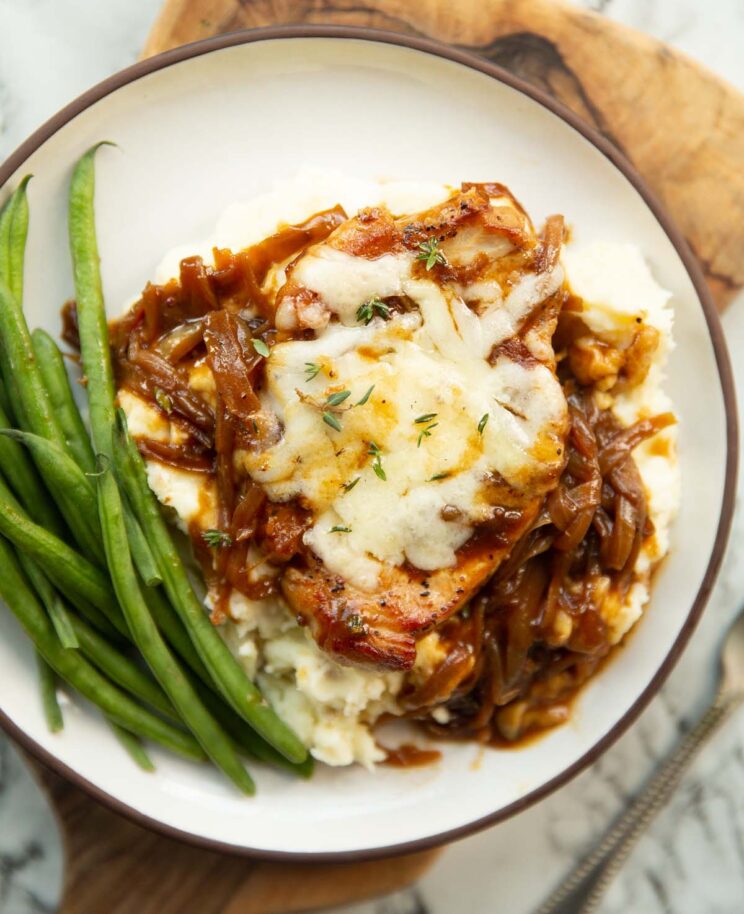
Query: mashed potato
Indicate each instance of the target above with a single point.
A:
(332, 707)
(619, 292)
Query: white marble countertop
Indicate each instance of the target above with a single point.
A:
(692, 861)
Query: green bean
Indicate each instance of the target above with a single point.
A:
(244, 737)
(6, 219)
(64, 475)
(247, 739)
(48, 692)
(101, 622)
(5, 406)
(51, 601)
(77, 671)
(224, 670)
(144, 560)
(150, 642)
(94, 346)
(17, 239)
(170, 625)
(132, 746)
(91, 312)
(37, 409)
(74, 575)
(25, 482)
(119, 668)
(71, 488)
(57, 382)
(13, 406)
(19, 363)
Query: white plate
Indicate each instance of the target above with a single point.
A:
(206, 125)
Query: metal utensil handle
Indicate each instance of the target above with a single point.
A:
(585, 887)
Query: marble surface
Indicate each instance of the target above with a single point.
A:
(692, 860)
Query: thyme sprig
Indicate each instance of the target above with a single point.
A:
(430, 254)
(217, 539)
(334, 404)
(375, 452)
(373, 307)
(426, 420)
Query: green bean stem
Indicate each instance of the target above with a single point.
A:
(132, 745)
(48, 692)
(17, 235)
(6, 220)
(51, 601)
(144, 560)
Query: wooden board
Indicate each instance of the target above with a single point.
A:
(113, 866)
(682, 127)
(684, 131)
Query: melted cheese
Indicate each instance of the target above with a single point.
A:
(432, 360)
(418, 365)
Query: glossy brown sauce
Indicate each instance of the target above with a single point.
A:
(410, 756)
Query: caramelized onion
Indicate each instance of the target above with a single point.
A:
(233, 361)
(182, 456)
(180, 341)
(147, 372)
(550, 248)
(623, 442)
(542, 632)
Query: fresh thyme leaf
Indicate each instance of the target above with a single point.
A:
(163, 400)
(482, 423)
(331, 420)
(217, 539)
(261, 347)
(340, 530)
(372, 307)
(430, 253)
(438, 476)
(311, 371)
(426, 432)
(365, 397)
(338, 398)
(364, 313)
(348, 486)
(374, 451)
(427, 417)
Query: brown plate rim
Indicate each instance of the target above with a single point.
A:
(447, 52)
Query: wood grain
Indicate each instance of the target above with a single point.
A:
(681, 126)
(114, 866)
